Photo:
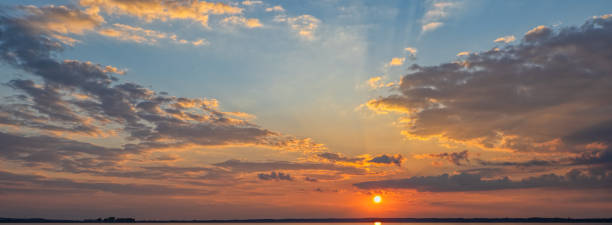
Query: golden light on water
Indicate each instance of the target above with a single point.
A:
(377, 199)
(377, 223)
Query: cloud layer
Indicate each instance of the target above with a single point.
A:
(574, 179)
(548, 93)
(60, 103)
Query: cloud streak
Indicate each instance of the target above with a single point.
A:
(305, 25)
(162, 10)
(457, 158)
(436, 14)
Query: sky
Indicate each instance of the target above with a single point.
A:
(192, 109)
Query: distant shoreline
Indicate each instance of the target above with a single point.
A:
(333, 220)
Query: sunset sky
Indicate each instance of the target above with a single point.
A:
(191, 109)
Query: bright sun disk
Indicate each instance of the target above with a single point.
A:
(377, 199)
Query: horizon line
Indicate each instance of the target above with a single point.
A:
(321, 220)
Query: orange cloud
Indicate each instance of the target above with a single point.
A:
(61, 19)
(162, 10)
(135, 34)
(383, 107)
(505, 39)
(397, 61)
(374, 82)
(465, 53)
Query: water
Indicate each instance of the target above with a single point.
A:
(375, 223)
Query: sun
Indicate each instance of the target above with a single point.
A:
(377, 199)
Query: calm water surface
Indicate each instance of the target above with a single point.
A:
(310, 223)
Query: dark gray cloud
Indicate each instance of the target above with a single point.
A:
(574, 179)
(311, 179)
(388, 159)
(591, 158)
(484, 172)
(457, 158)
(550, 92)
(247, 167)
(600, 132)
(56, 151)
(275, 176)
(19, 183)
(603, 157)
(529, 163)
(336, 157)
(381, 159)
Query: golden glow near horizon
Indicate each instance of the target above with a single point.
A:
(377, 199)
(377, 223)
(192, 109)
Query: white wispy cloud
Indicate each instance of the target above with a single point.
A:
(276, 8)
(305, 25)
(435, 15)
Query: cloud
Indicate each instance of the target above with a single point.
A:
(175, 120)
(251, 2)
(362, 160)
(574, 179)
(200, 42)
(437, 12)
(305, 25)
(310, 179)
(58, 22)
(276, 8)
(603, 157)
(595, 159)
(150, 10)
(505, 39)
(66, 97)
(431, 26)
(238, 20)
(249, 167)
(377, 82)
(374, 82)
(463, 53)
(57, 152)
(388, 159)
(538, 32)
(125, 32)
(413, 51)
(547, 94)
(456, 158)
(606, 16)
(529, 163)
(61, 19)
(336, 157)
(30, 183)
(397, 61)
(275, 176)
